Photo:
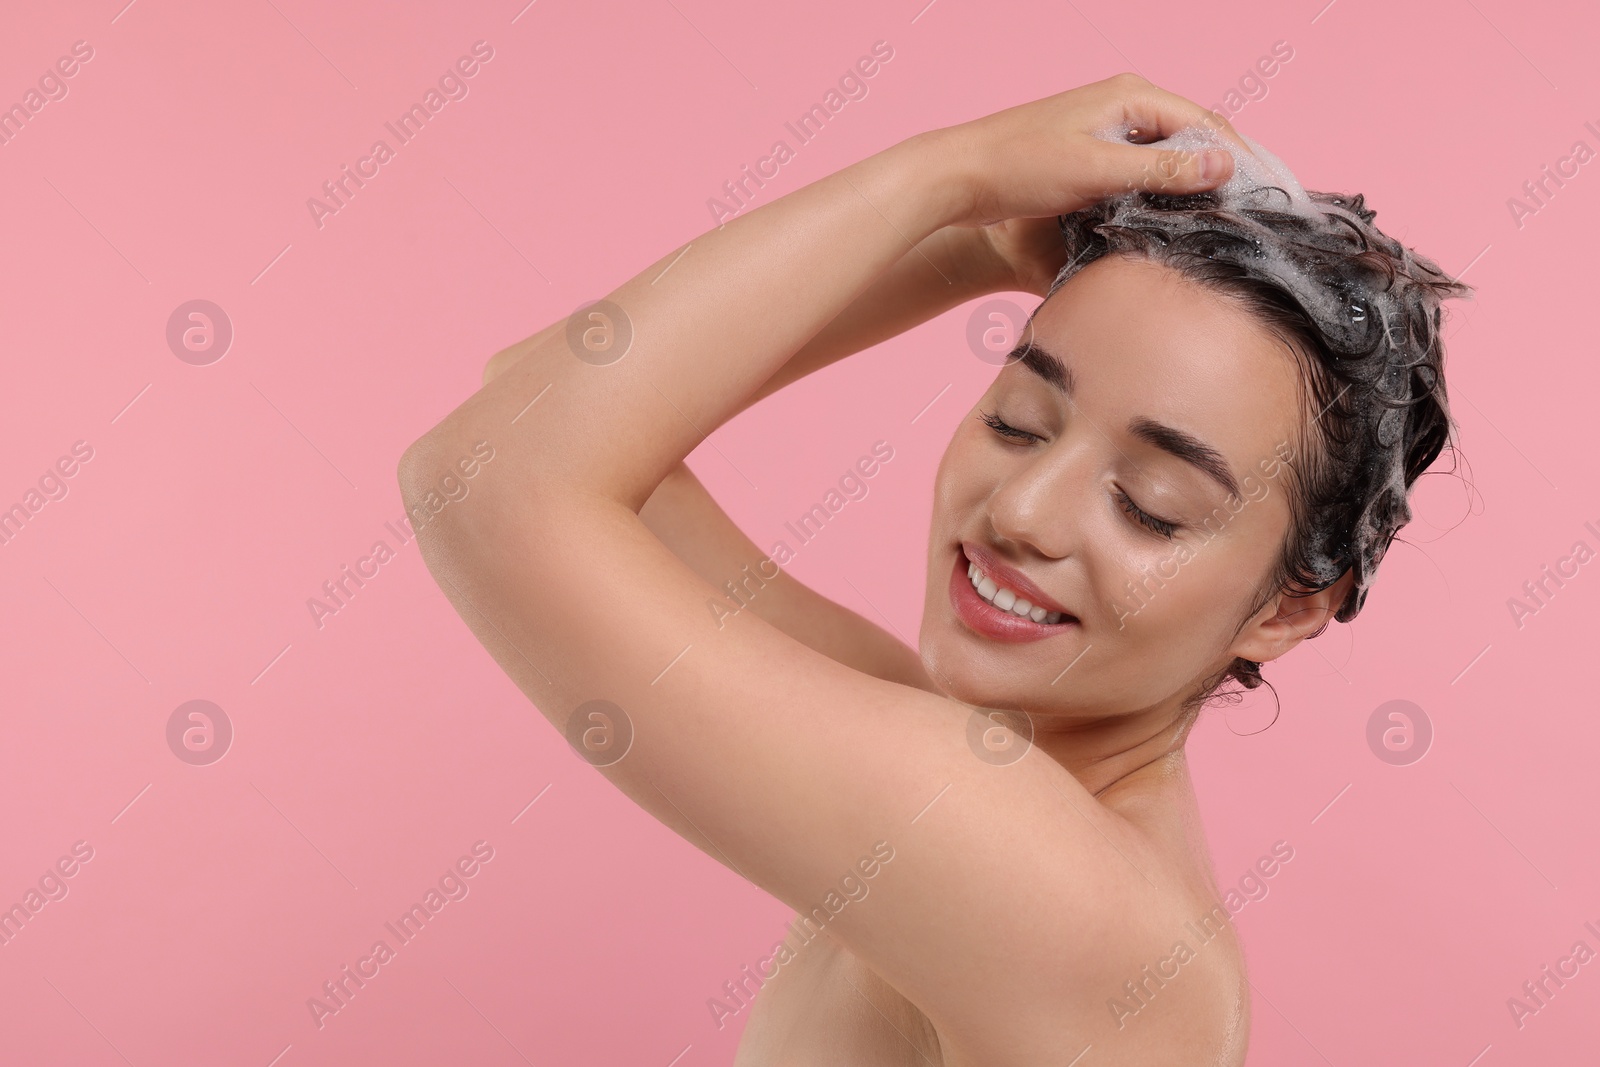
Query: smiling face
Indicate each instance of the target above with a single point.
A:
(1141, 398)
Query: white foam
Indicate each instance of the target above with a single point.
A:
(1259, 170)
(1257, 177)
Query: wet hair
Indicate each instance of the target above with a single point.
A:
(1360, 311)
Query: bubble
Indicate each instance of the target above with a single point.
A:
(1257, 174)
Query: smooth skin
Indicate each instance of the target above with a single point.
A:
(1022, 898)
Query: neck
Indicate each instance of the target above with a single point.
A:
(1118, 750)
(1110, 751)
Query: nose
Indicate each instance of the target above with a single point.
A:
(1043, 502)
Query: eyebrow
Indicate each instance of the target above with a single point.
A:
(1169, 439)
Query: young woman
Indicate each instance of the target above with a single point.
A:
(1192, 464)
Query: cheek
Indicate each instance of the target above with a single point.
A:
(1176, 607)
(1223, 573)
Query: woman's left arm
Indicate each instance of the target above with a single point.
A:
(710, 324)
(713, 321)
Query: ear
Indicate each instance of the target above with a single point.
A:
(1286, 620)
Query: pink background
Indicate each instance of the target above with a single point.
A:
(371, 753)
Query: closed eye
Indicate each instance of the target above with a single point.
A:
(1005, 429)
(1144, 518)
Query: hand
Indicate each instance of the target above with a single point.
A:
(1041, 159)
(1010, 256)
(1028, 253)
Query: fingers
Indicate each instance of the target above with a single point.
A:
(1152, 108)
(1171, 172)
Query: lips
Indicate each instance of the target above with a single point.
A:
(983, 618)
(1010, 577)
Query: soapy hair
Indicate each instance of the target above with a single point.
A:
(1360, 311)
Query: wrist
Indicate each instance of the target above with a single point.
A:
(937, 178)
(938, 163)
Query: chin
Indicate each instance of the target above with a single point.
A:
(953, 669)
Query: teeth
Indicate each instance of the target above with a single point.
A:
(1007, 599)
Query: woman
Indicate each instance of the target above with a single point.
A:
(993, 846)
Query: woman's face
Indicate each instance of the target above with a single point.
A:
(1141, 391)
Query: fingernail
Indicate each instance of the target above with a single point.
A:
(1211, 164)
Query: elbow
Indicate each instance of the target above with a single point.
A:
(423, 472)
(415, 466)
(498, 363)
(451, 481)
(428, 488)
(413, 476)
